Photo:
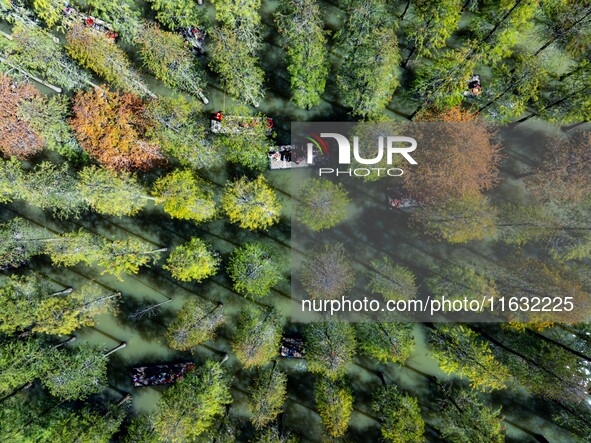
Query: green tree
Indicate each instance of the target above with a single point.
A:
(466, 418)
(50, 186)
(327, 273)
(177, 14)
(194, 324)
(386, 342)
(258, 336)
(458, 220)
(455, 282)
(254, 270)
(79, 373)
(400, 416)
(72, 248)
(190, 407)
(267, 394)
(367, 41)
(193, 260)
(321, 204)
(48, 116)
(251, 203)
(124, 16)
(181, 133)
(34, 49)
(234, 49)
(431, 25)
(24, 360)
(248, 141)
(391, 281)
(330, 348)
(304, 41)
(273, 434)
(167, 57)
(460, 350)
(126, 256)
(96, 51)
(19, 241)
(185, 196)
(334, 402)
(112, 193)
(50, 11)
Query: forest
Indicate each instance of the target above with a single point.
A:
(146, 244)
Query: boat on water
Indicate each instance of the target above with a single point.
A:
(292, 347)
(73, 15)
(156, 375)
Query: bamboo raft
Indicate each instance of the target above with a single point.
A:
(233, 124)
(156, 375)
(292, 347)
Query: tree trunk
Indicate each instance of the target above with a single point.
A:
(121, 346)
(406, 9)
(16, 391)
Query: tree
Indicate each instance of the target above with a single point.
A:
(431, 25)
(334, 402)
(465, 418)
(185, 196)
(194, 324)
(253, 270)
(258, 336)
(568, 159)
(71, 248)
(267, 394)
(111, 193)
(126, 256)
(124, 16)
(321, 204)
(181, 133)
(460, 350)
(461, 282)
(234, 50)
(251, 203)
(400, 416)
(31, 305)
(327, 273)
(50, 11)
(368, 43)
(48, 117)
(177, 14)
(273, 434)
(19, 241)
(443, 171)
(193, 260)
(110, 128)
(97, 52)
(330, 348)
(17, 136)
(304, 41)
(79, 373)
(24, 360)
(190, 407)
(167, 57)
(34, 49)
(83, 425)
(391, 281)
(459, 219)
(386, 342)
(50, 186)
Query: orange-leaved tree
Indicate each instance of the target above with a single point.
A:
(17, 137)
(456, 156)
(110, 127)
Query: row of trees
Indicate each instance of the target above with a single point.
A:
(250, 203)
